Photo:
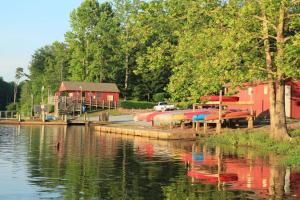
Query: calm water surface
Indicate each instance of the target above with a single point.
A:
(56, 162)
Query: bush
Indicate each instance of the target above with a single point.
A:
(184, 105)
(50, 108)
(159, 97)
(137, 104)
(11, 107)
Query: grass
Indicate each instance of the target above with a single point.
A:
(262, 144)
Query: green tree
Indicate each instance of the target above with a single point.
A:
(48, 67)
(18, 75)
(239, 41)
(125, 10)
(6, 90)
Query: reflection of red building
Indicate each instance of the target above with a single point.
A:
(239, 173)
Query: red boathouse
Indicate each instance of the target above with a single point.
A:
(96, 92)
(260, 96)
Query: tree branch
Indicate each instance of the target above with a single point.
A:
(292, 15)
(270, 23)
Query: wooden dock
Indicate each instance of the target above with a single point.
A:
(148, 132)
(16, 122)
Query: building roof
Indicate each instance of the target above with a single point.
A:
(88, 87)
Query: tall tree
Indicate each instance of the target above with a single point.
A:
(81, 38)
(125, 10)
(155, 30)
(239, 41)
(6, 91)
(280, 28)
(18, 75)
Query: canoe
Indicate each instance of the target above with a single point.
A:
(141, 116)
(237, 114)
(167, 118)
(150, 117)
(217, 98)
(190, 115)
(200, 117)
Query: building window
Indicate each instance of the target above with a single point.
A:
(110, 97)
(250, 91)
(265, 89)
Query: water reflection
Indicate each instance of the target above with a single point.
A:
(79, 163)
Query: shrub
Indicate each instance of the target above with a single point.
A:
(50, 108)
(137, 104)
(159, 97)
(184, 105)
(11, 107)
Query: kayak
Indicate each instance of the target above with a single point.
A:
(141, 116)
(217, 98)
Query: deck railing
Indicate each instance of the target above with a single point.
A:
(8, 115)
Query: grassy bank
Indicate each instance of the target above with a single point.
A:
(261, 143)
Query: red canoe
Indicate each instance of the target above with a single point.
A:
(217, 98)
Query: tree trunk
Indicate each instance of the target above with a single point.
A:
(275, 76)
(280, 131)
(277, 179)
(126, 75)
(272, 94)
(269, 65)
(126, 65)
(15, 92)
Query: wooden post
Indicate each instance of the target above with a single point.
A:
(182, 125)
(102, 104)
(220, 114)
(152, 123)
(204, 127)
(251, 107)
(90, 101)
(19, 117)
(197, 125)
(65, 103)
(171, 125)
(220, 105)
(193, 125)
(43, 116)
(96, 102)
(115, 104)
(218, 128)
(85, 117)
(109, 104)
(250, 122)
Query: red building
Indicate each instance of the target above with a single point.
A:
(260, 97)
(90, 92)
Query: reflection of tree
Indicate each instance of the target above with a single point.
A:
(181, 188)
(89, 164)
(277, 178)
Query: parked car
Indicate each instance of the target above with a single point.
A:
(163, 106)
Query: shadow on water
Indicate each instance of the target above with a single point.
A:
(79, 163)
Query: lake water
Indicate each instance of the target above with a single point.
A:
(56, 162)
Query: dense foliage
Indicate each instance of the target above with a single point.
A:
(6, 91)
(130, 104)
(185, 48)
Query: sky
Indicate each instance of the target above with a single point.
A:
(26, 25)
